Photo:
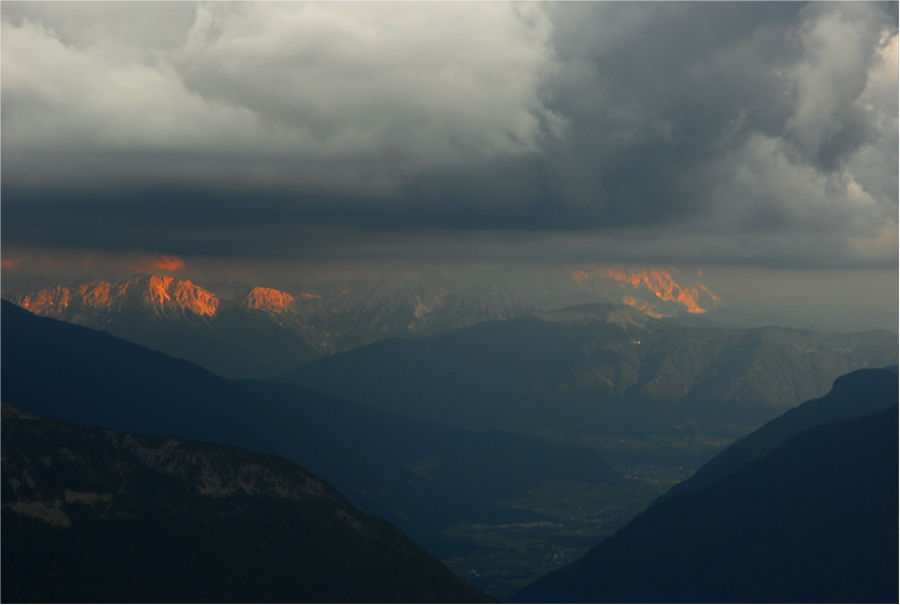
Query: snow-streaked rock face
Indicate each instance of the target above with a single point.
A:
(167, 293)
(160, 293)
(649, 289)
(268, 299)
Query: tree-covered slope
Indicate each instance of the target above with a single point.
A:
(853, 395)
(598, 369)
(91, 515)
(814, 520)
(418, 475)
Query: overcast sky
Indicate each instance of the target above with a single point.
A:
(746, 137)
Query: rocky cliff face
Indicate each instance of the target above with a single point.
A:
(97, 301)
(654, 292)
(269, 299)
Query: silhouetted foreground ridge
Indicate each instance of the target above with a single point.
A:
(812, 520)
(91, 515)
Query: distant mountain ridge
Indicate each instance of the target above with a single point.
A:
(598, 370)
(92, 515)
(96, 301)
(267, 331)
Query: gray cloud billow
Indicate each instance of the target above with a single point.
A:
(734, 132)
(674, 107)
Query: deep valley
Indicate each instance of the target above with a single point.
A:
(449, 444)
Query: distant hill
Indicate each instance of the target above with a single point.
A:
(91, 515)
(419, 475)
(598, 370)
(264, 331)
(813, 520)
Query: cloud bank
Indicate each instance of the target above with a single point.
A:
(318, 96)
(745, 133)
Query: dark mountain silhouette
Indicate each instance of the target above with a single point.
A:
(92, 515)
(855, 394)
(418, 475)
(598, 369)
(813, 520)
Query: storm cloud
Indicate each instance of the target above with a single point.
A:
(733, 133)
(305, 97)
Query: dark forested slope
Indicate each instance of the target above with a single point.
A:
(91, 515)
(420, 476)
(598, 369)
(813, 520)
(853, 395)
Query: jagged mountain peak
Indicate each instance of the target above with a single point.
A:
(49, 301)
(61, 301)
(268, 299)
(654, 291)
(161, 293)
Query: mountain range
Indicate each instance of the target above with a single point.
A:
(809, 517)
(92, 515)
(420, 476)
(265, 331)
(598, 370)
(445, 435)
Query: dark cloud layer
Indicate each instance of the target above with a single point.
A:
(731, 133)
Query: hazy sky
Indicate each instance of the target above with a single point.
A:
(758, 141)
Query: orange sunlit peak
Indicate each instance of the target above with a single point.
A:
(657, 280)
(48, 301)
(159, 287)
(269, 299)
(97, 294)
(162, 289)
(195, 298)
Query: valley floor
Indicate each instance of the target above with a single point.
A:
(504, 558)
